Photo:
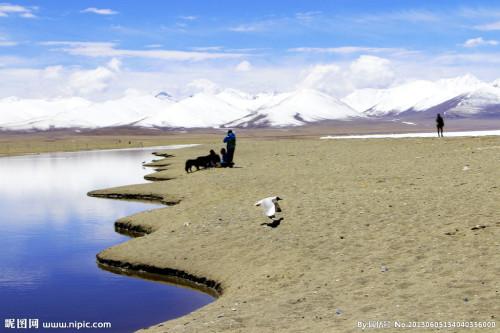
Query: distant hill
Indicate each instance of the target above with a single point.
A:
(461, 97)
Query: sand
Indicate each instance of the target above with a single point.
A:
(61, 140)
(372, 230)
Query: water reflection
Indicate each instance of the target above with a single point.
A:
(52, 231)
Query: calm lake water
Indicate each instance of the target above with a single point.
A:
(51, 232)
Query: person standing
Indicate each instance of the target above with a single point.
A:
(230, 141)
(439, 125)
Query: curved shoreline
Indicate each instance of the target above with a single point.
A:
(360, 239)
(169, 275)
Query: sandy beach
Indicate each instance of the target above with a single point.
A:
(385, 229)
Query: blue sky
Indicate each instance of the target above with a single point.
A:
(170, 45)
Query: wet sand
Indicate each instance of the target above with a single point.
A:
(373, 230)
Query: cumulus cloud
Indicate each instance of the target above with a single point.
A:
(244, 66)
(99, 11)
(321, 77)
(202, 85)
(53, 72)
(364, 72)
(7, 9)
(479, 41)
(115, 64)
(371, 72)
(86, 82)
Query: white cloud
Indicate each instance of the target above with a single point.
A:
(478, 12)
(189, 17)
(245, 28)
(99, 11)
(115, 64)
(260, 26)
(489, 26)
(7, 61)
(7, 9)
(348, 49)
(103, 49)
(411, 16)
(87, 82)
(8, 43)
(307, 17)
(53, 72)
(458, 59)
(244, 66)
(90, 81)
(207, 48)
(321, 76)
(202, 85)
(365, 72)
(479, 41)
(371, 72)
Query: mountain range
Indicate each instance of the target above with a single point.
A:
(459, 97)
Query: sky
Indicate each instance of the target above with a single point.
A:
(106, 49)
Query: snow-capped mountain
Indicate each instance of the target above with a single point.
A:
(18, 114)
(200, 110)
(296, 109)
(464, 96)
(164, 95)
(416, 95)
(484, 102)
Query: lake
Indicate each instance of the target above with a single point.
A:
(51, 232)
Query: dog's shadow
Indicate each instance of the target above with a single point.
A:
(274, 223)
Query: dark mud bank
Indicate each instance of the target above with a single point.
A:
(168, 275)
(136, 197)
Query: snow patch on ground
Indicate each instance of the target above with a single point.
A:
(413, 135)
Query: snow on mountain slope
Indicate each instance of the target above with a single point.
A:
(365, 99)
(416, 95)
(200, 110)
(478, 101)
(127, 110)
(18, 113)
(296, 109)
(239, 98)
(77, 112)
(462, 96)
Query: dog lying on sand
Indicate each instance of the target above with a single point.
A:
(207, 161)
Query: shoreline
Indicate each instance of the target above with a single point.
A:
(104, 150)
(170, 276)
(325, 257)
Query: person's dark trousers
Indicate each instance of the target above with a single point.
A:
(230, 154)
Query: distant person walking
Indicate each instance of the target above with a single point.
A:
(439, 125)
(230, 141)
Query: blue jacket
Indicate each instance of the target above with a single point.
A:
(230, 140)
